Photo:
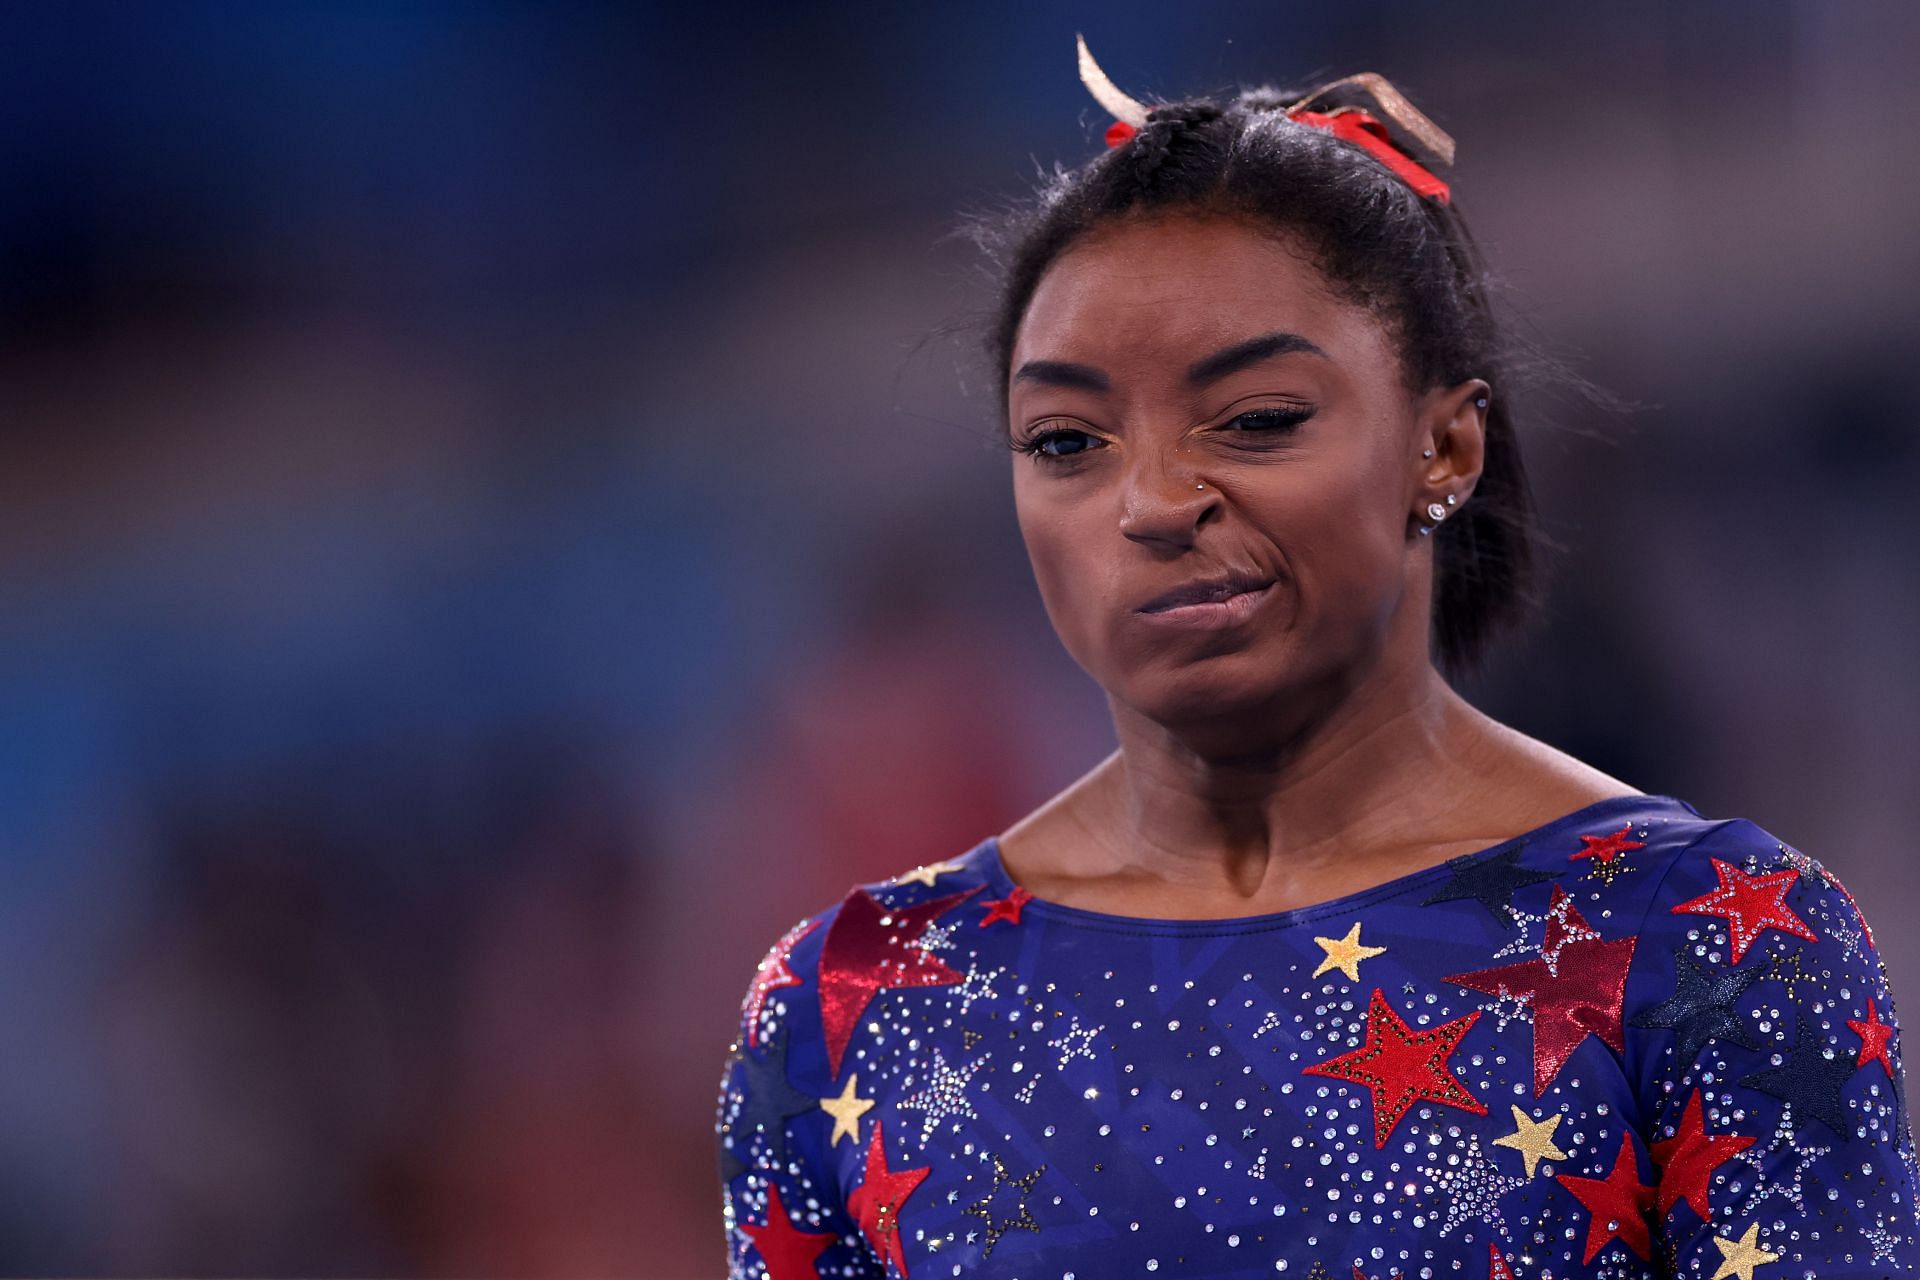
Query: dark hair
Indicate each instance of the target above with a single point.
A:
(1411, 261)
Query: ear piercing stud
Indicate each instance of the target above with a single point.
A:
(1436, 513)
(1427, 453)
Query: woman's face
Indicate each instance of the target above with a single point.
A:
(1206, 416)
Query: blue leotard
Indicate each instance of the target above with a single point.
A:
(1633, 1042)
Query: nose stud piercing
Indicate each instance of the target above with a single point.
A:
(1426, 453)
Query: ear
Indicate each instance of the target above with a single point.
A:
(1452, 423)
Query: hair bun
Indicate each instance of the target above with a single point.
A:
(1177, 114)
(1153, 145)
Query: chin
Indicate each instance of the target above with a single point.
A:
(1217, 690)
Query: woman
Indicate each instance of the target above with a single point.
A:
(1322, 972)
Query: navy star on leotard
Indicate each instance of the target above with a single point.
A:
(1705, 1005)
(1809, 1081)
(1489, 880)
(773, 1100)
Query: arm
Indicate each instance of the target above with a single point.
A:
(1777, 1111)
(782, 1209)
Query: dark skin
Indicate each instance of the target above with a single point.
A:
(1307, 748)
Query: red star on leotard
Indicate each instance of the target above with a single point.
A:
(1750, 904)
(1576, 987)
(1608, 847)
(1497, 1268)
(870, 946)
(876, 1202)
(1616, 1204)
(1007, 908)
(1402, 1066)
(1687, 1160)
(772, 973)
(1874, 1036)
(787, 1251)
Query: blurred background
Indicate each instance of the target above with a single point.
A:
(501, 518)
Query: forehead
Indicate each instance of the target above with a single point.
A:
(1144, 297)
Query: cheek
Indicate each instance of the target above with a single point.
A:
(1340, 531)
(1045, 528)
(1071, 554)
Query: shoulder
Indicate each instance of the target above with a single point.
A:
(844, 934)
(1745, 939)
(789, 1064)
(1739, 885)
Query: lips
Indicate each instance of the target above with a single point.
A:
(1208, 590)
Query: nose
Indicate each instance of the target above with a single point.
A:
(1165, 503)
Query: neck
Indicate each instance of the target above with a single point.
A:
(1362, 761)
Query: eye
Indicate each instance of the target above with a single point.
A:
(1273, 419)
(1059, 443)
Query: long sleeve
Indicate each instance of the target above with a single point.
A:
(782, 1208)
(1776, 1118)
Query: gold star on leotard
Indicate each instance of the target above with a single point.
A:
(1345, 954)
(1533, 1139)
(846, 1111)
(925, 875)
(1740, 1257)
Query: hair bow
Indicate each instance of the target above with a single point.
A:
(1351, 124)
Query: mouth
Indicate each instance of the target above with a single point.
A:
(1216, 590)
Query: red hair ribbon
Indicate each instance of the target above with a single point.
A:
(1350, 124)
(1354, 125)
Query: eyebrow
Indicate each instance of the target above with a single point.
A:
(1241, 355)
(1061, 373)
(1251, 352)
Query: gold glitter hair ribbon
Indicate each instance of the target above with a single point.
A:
(1348, 123)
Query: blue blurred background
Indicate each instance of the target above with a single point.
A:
(502, 518)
